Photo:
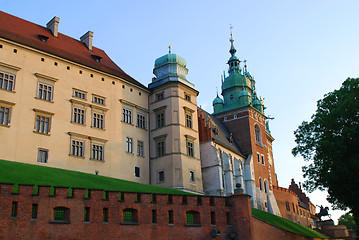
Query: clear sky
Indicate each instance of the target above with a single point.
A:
(296, 50)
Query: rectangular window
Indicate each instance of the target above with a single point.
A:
(213, 218)
(42, 155)
(137, 172)
(170, 217)
(160, 148)
(77, 148)
(78, 115)
(141, 121)
(34, 211)
(258, 158)
(98, 100)
(140, 151)
(154, 216)
(187, 97)
(190, 218)
(160, 120)
(129, 145)
(159, 96)
(190, 151)
(14, 209)
(192, 176)
(228, 217)
(262, 159)
(105, 215)
(59, 214)
(98, 120)
(127, 115)
(189, 120)
(127, 216)
(161, 176)
(87, 214)
(42, 124)
(45, 92)
(79, 94)
(7, 81)
(4, 115)
(97, 152)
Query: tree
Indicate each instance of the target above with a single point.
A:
(330, 145)
(347, 220)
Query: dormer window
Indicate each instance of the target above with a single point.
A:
(96, 58)
(43, 38)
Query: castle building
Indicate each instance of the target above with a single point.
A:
(64, 103)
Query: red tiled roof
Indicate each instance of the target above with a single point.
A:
(27, 33)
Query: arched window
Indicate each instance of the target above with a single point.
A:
(130, 215)
(266, 186)
(261, 184)
(258, 134)
(193, 217)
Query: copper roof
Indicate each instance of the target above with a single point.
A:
(27, 33)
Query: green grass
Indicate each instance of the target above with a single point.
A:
(286, 224)
(21, 173)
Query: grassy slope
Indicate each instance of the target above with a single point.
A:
(286, 224)
(21, 173)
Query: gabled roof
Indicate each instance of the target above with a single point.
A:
(27, 33)
(220, 133)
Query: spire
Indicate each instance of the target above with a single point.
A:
(232, 51)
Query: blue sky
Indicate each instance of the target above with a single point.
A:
(296, 50)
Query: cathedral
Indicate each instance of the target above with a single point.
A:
(64, 103)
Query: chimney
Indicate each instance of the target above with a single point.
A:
(87, 39)
(53, 25)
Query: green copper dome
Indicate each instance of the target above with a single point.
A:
(235, 79)
(217, 100)
(243, 93)
(170, 58)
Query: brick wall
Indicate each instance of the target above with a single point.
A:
(21, 225)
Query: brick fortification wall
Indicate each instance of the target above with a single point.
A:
(24, 215)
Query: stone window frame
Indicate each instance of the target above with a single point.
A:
(42, 158)
(141, 120)
(100, 143)
(37, 122)
(139, 172)
(160, 96)
(258, 134)
(160, 117)
(160, 174)
(188, 117)
(10, 70)
(78, 138)
(140, 148)
(192, 175)
(78, 93)
(47, 81)
(80, 106)
(160, 140)
(6, 105)
(96, 120)
(187, 96)
(97, 99)
(129, 145)
(190, 140)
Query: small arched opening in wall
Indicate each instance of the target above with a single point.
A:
(261, 184)
(258, 135)
(266, 186)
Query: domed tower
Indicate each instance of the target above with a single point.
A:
(242, 112)
(174, 141)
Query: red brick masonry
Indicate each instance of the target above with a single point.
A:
(215, 217)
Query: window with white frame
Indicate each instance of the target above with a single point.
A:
(42, 155)
(190, 150)
(79, 94)
(140, 150)
(98, 99)
(7, 76)
(5, 112)
(129, 145)
(160, 147)
(78, 114)
(97, 151)
(42, 121)
(98, 120)
(45, 87)
(141, 120)
(127, 115)
(78, 147)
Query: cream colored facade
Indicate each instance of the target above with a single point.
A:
(67, 115)
(179, 165)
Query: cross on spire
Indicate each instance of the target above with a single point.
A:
(169, 49)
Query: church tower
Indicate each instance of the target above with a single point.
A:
(174, 140)
(242, 112)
